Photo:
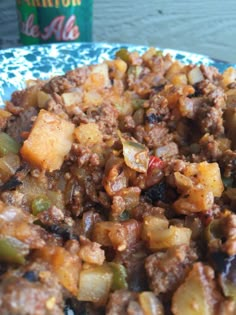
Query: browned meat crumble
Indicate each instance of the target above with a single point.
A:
(118, 191)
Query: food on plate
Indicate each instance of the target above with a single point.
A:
(118, 191)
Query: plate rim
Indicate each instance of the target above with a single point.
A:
(6, 86)
(112, 45)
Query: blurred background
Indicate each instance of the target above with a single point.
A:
(204, 26)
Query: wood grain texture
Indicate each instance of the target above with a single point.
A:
(203, 26)
(8, 24)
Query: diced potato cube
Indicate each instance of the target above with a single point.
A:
(206, 174)
(49, 141)
(229, 76)
(98, 77)
(196, 296)
(175, 68)
(72, 98)
(195, 75)
(117, 68)
(101, 232)
(120, 65)
(92, 98)
(42, 99)
(173, 95)
(209, 176)
(159, 236)
(149, 54)
(185, 107)
(109, 233)
(95, 284)
(173, 236)
(88, 134)
(179, 79)
(30, 97)
(103, 70)
(150, 304)
(91, 252)
(152, 224)
(196, 199)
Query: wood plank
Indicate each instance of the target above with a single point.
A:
(8, 24)
(203, 26)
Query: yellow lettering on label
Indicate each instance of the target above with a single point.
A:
(76, 2)
(36, 3)
(65, 3)
(57, 3)
(51, 3)
(47, 3)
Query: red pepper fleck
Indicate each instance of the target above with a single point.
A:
(155, 162)
(25, 134)
(206, 217)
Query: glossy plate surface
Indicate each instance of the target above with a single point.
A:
(43, 61)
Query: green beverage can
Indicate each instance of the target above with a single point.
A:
(50, 21)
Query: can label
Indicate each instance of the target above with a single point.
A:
(48, 21)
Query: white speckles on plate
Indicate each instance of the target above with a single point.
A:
(20, 64)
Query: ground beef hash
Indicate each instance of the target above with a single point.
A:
(118, 191)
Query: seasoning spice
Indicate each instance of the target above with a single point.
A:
(47, 21)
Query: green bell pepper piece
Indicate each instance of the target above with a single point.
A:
(8, 144)
(119, 276)
(12, 250)
(39, 204)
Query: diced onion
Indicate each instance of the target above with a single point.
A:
(195, 75)
(95, 284)
(150, 304)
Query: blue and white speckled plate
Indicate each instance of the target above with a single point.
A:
(20, 64)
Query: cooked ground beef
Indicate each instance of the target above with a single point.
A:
(167, 270)
(119, 302)
(155, 136)
(107, 119)
(158, 109)
(20, 297)
(21, 123)
(228, 163)
(229, 230)
(210, 119)
(128, 123)
(118, 190)
(35, 292)
(210, 73)
(58, 84)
